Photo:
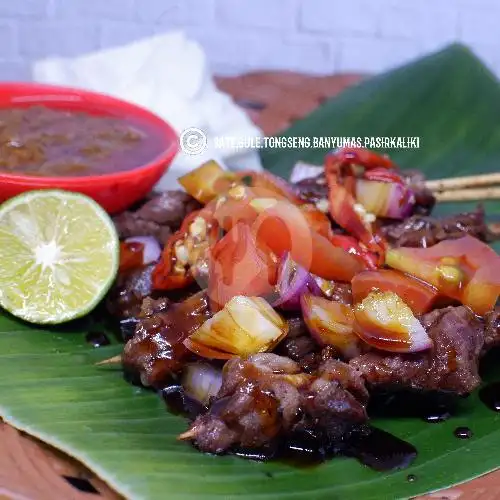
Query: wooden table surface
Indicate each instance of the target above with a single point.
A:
(30, 470)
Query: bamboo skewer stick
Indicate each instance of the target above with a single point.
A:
(189, 434)
(464, 182)
(491, 193)
(444, 185)
(115, 360)
(494, 230)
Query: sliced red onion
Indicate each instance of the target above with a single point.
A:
(326, 286)
(384, 321)
(303, 171)
(385, 199)
(201, 381)
(293, 282)
(331, 323)
(151, 248)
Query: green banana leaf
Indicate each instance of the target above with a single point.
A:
(449, 100)
(51, 388)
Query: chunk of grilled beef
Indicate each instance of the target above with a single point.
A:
(267, 396)
(298, 344)
(151, 306)
(302, 348)
(313, 189)
(422, 231)
(296, 327)
(158, 217)
(492, 329)
(339, 292)
(450, 365)
(156, 350)
(298, 348)
(424, 198)
(125, 298)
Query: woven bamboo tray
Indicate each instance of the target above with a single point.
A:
(31, 470)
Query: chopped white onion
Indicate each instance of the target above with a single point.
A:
(303, 171)
(201, 381)
(245, 326)
(384, 199)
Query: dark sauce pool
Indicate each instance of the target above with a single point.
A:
(381, 451)
(490, 396)
(432, 407)
(52, 142)
(97, 339)
(370, 445)
(179, 403)
(436, 415)
(462, 433)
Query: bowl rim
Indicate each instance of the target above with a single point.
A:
(61, 94)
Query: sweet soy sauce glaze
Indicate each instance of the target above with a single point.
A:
(370, 445)
(53, 142)
(373, 447)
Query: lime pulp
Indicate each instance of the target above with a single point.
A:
(59, 255)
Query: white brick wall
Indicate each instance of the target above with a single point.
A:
(316, 36)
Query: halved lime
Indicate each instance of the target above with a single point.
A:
(59, 254)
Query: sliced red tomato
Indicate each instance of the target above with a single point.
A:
(231, 212)
(340, 175)
(271, 184)
(283, 228)
(342, 210)
(170, 273)
(240, 265)
(363, 157)
(352, 246)
(317, 220)
(207, 181)
(166, 276)
(235, 207)
(465, 269)
(131, 256)
(419, 296)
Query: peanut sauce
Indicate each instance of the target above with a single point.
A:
(51, 142)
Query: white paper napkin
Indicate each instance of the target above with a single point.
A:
(168, 74)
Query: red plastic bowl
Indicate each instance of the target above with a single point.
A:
(115, 191)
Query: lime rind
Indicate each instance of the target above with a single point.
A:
(59, 255)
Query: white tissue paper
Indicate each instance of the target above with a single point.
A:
(168, 74)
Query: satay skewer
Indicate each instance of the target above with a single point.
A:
(115, 360)
(489, 193)
(453, 189)
(459, 183)
(189, 434)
